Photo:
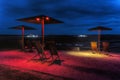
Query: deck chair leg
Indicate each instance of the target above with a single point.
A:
(52, 58)
(52, 61)
(34, 57)
(58, 57)
(43, 57)
(55, 60)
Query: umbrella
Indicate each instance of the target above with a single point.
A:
(99, 29)
(41, 19)
(22, 27)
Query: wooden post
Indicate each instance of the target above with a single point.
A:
(23, 37)
(99, 36)
(42, 22)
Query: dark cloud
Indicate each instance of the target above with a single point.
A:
(76, 14)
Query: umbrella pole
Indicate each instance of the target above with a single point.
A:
(23, 38)
(99, 32)
(42, 31)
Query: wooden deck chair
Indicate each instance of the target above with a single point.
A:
(40, 51)
(21, 45)
(54, 53)
(105, 46)
(94, 47)
(28, 45)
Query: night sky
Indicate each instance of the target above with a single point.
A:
(78, 15)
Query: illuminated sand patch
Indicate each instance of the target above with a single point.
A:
(86, 54)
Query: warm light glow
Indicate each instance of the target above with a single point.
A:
(86, 54)
(47, 18)
(38, 19)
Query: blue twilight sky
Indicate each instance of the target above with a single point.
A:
(78, 15)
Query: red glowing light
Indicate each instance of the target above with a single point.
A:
(47, 18)
(38, 19)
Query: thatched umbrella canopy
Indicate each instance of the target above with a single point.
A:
(22, 27)
(41, 19)
(99, 29)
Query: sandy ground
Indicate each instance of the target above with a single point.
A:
(13, 73)
(75, 65)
